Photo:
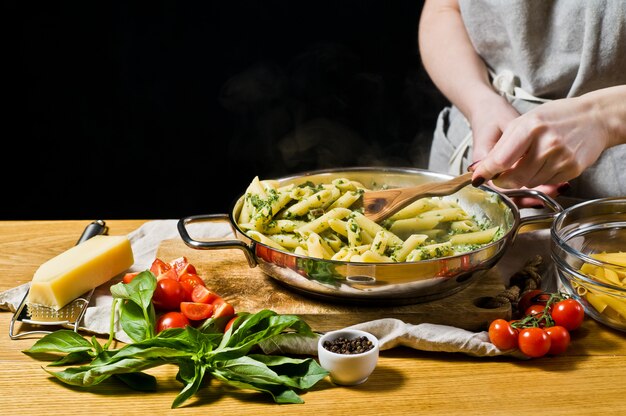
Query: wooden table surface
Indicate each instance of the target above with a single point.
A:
(587, 380)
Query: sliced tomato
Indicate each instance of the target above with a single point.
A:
(223, 309)
(182, 265)
(128, 277)
(196, 311)
(170, 274)
(229, 324)
(202, 294)
(159, 267)
(189, 282)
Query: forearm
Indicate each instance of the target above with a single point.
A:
(450, 59)
(608, 105)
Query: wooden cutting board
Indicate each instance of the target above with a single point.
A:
(250, 289)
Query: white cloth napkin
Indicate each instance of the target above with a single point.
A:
(390, 332)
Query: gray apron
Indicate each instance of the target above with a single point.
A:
(513, 36)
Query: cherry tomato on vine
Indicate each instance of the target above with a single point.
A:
(502, 334)
(568, 313)
(532, 297)
(172, 319)
(534, 309)
(534, 342)
(168, 295)
(559, 339)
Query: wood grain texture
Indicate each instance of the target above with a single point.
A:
(249, 289)
(584, 381)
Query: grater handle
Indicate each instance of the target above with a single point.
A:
(96, 227)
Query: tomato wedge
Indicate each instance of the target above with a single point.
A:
(169, 274)
(229, 324)
(196, 311)
(159, 267)
(182, 265)
(223, 309)
(189, 282)
(128, 277)
(201, 294)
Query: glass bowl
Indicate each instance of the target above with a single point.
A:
(588, 248)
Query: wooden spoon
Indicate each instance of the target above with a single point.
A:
(384, 203)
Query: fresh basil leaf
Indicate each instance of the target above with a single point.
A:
(280, 394)
(139, 320)
(186, 371)
(295, 373)
(77, 357)
(190, 388)
(120, 363)
(61, 341)
(255, 329)
(138, 381)
(78, 376)
(133, 322)
(96, 345)
(139, 290)
(303, 372)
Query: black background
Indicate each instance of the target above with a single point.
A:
(169, 109)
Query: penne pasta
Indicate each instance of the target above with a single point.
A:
(410, 244)
(320, 224)
(287, 240)
(413, 209)
(372, 228)
(265, 240)
(324, 221)
(476, 237)
(354, 233)
(430, 251)
(405, 227)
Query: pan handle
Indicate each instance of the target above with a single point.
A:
(540, 218)
(217, 244)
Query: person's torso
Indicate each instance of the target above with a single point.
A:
(557, 48)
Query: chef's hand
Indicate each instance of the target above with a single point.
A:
(556, 141)
(488, 122)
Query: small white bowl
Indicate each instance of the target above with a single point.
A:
(348, 369)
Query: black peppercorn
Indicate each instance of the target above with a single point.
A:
(343, 345)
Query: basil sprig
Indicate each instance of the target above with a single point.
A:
(200, 352)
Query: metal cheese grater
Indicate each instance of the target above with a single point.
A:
(69, 316)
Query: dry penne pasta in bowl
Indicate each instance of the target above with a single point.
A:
(589, 251)
(309, 232)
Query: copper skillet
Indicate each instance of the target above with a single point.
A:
(380, 283)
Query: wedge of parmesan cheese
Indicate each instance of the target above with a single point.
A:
(76, 271)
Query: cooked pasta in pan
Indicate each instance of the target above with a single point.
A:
(325, 221)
